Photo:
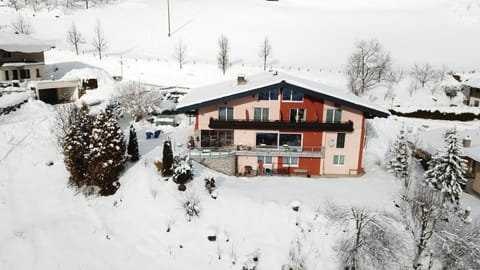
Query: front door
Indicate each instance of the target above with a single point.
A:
(15, 74)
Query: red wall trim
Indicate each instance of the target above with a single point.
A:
(360, 152)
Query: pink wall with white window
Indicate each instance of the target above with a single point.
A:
(352, 146)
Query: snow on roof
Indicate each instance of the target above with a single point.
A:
(21, 64)
(434, 140)
(230, 89)
(22, 43)
(473, 82)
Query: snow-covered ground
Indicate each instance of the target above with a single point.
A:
(45, 225)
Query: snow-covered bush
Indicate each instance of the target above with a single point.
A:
(210, 184)
(296, 258)
(137, 101)
(182, 170)
(191, 205)
(252, 261)
(167, 159)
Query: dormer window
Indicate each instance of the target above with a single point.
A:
(6, 54)
(290, 95)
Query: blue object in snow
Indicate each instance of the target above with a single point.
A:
(148, 134)
(157, 133)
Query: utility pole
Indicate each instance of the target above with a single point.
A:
(168, 10)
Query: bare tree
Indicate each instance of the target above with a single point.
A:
(223, 53)
(265, 52)
(99, 39)
(137, 101)
(22, 25)
(74, 37)
(369, 238)
(180, 53)
(368, 65)
(424, 73)
(422, 214)
(15, 4)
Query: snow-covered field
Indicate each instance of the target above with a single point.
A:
(45, 225)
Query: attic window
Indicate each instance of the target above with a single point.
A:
(241, 79)
(6, 54)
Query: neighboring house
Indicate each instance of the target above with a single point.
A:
(21, 57)
(434, 140)
(279, 123)
(471, 90)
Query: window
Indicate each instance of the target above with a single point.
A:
(15, 74)
(338, 160)
(7, 75)
(216, 138)
(265, 159)
(268, 140)
(38, 73)
(334, 115)
(225, 113)
(25, 73)
(6, 54)
(268, 95)
(340, 140)
(291, 161)
(260, 114)
(291, 140)
(290, 95)
(476, 103)
(297, 115)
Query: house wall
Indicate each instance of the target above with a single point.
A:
(353, 149)
(32, 68)
(22, 57)
(242, 109)
(476, 182)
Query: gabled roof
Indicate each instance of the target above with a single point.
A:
(229, 90)
(434, 140)
(22, 43)
(473, 82)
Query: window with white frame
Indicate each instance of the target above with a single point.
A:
(334, 116)
(268, 95)
(339, 160)
(297, 115)
(265, 159)
(290, 161)
(291, 95)
(260, 114)
(225, 113)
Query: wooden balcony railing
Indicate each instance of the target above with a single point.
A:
(279, 125)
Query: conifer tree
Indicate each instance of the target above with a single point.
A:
(400, 155)
(76, 144)
(167, 159)
(107, 154)
(132, 148)
(446, 170)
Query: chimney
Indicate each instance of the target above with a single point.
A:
(241, 79)
(467, 141)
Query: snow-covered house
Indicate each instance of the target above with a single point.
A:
(278, 123)
(21, 57)
(471, 89)
(433, 141)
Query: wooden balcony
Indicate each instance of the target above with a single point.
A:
(279, 125)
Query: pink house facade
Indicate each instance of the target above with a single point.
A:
(274, 123)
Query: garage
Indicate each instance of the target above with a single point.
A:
(57, 92)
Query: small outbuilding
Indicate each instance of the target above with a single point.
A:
(56, 92)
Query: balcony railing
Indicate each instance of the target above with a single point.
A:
(241, 150)
(279, 125)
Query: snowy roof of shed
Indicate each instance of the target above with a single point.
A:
(434, 140)
(473, 82)
(22, 43)
(231, 89)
